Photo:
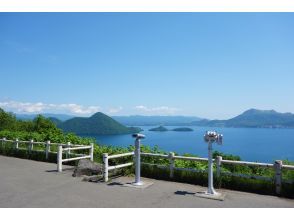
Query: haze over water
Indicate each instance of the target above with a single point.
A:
(251, 144)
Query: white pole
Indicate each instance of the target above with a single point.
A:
(105, 170)
(31, 146)
(278, 177)
(3, 141)
(92, 152)
(68, 152)
(59, 159)
(16, 143)
(47, 149)
(218, 166)
(171, 164)
(210, 170)
(138, 162)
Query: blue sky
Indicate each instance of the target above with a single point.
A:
(212, 65)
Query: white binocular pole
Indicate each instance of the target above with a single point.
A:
(210, 170)
(138, 159)
(211, 137)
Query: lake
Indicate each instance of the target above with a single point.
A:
(251, 144)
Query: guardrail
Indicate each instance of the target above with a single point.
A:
(277, 166)
(68, 147)
(107, 168)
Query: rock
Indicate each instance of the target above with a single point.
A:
(88, 168)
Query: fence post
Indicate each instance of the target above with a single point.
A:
(16, 143)
(92, 152)
(59, 159)
(278, 177)
(171, 164)
(218, 165)
(47, 149)
(31, 145)
(68, 151)
(3, 142)
(105, 169)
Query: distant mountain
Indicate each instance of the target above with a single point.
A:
(61, 117)
(138, 120)
(97, 124)
(56, 121)
(254, 118)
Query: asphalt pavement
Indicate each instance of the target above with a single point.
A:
(26, 183)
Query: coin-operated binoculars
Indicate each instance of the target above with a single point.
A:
(211, 137)
(138, 138)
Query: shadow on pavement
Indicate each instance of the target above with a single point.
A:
(115, 184)
(55, 171)
(183, 193)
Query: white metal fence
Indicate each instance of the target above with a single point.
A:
(61, 148)
(107, 168)
(68, 148)
(278, 166)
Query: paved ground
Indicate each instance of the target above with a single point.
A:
(25, 183)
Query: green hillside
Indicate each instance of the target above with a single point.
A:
(98, 124)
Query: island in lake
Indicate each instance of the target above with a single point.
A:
(183, 129)
(161, 129)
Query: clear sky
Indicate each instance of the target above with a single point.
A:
(212, 65)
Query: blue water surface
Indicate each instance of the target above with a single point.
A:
(251, 144)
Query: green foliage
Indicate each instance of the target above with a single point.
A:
(248, 185)
(7, 120)
(225, 156)
(42, 125)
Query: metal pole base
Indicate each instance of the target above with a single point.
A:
(211, 191)
(214, 196)
(138, 183)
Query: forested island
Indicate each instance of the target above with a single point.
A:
(182, 129)
(162, 129)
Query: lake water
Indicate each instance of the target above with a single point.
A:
(251, 144)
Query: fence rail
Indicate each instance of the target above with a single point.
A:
(107, 168)
(120, 155)
(68, 147)
(278, 166)
(247, 163)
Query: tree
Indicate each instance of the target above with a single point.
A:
(7, 120)
(44, 125)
